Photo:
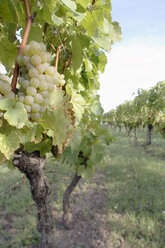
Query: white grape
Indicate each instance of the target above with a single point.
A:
(28, 108)
(49, 79)
(45, 57)
(25, 84)
(20, 60)
(29, 100)
(41, 77)
(45, 102)
(40, 68)
(23, 69)
(35, 116)
(43, 47)
(20, 93)
(29, 66)
(43, 85)
(4, 78)
(21, 99)
(5, 88)
(11, 94)
(46, 65)
(45, 94)
(50, 71)
(31, 91)
(42, 109)
(26, 50)
(33, 73)
(51, 88)
(38, 98)
(35, 108)
(26, 59)
(35, 48)
(35, 60)
(34, 82)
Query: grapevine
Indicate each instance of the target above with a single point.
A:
(40, 111)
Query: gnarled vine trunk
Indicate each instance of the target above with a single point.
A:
(67, 215)
(31, 164)
(135, 134)
(149, 133)
(129, 131)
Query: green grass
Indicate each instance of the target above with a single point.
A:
(134, 181)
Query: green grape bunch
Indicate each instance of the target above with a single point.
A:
(37, 79)
(5, 92)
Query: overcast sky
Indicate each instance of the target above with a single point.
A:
(138, 61)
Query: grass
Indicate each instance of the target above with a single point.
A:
(134, 181)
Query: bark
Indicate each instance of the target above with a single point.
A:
(67, 215)
(129, 131)
(149, 133)
(135, 135)
(31, 164)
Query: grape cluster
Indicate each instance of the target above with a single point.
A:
(37, 79)
(5, 91)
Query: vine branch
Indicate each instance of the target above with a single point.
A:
(57, 56)
(68, 62)
(23, 43)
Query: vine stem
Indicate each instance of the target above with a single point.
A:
(68, 62)
(23, 43)
(57, 56)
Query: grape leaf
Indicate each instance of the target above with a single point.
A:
(9, 143)
(89, 24)
(15, 112)
(43, 147)
(78, 105)
(56, 123)
(83, 3)
(35, 33)
(8, 52)
(77, 54)
(50, 18)
(2, 158)
(70, 4)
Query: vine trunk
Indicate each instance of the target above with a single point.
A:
(31, 164)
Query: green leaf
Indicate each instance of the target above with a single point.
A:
(77, 54)
(9, 143)
(70, 4)
(43, 147)
(8, 52)
(16, 114)
(83, 3)
(2, 158)
(102, 62)
(32, 132)
(78, 105)
(13, 11)
(51, 18)
(104, 42)
(57, 98)
(89, 24)
(56, 123)
(78, 16)
(35, 33)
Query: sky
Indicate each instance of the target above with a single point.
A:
(138, 61)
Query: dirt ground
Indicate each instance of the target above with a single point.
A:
(89, 227)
